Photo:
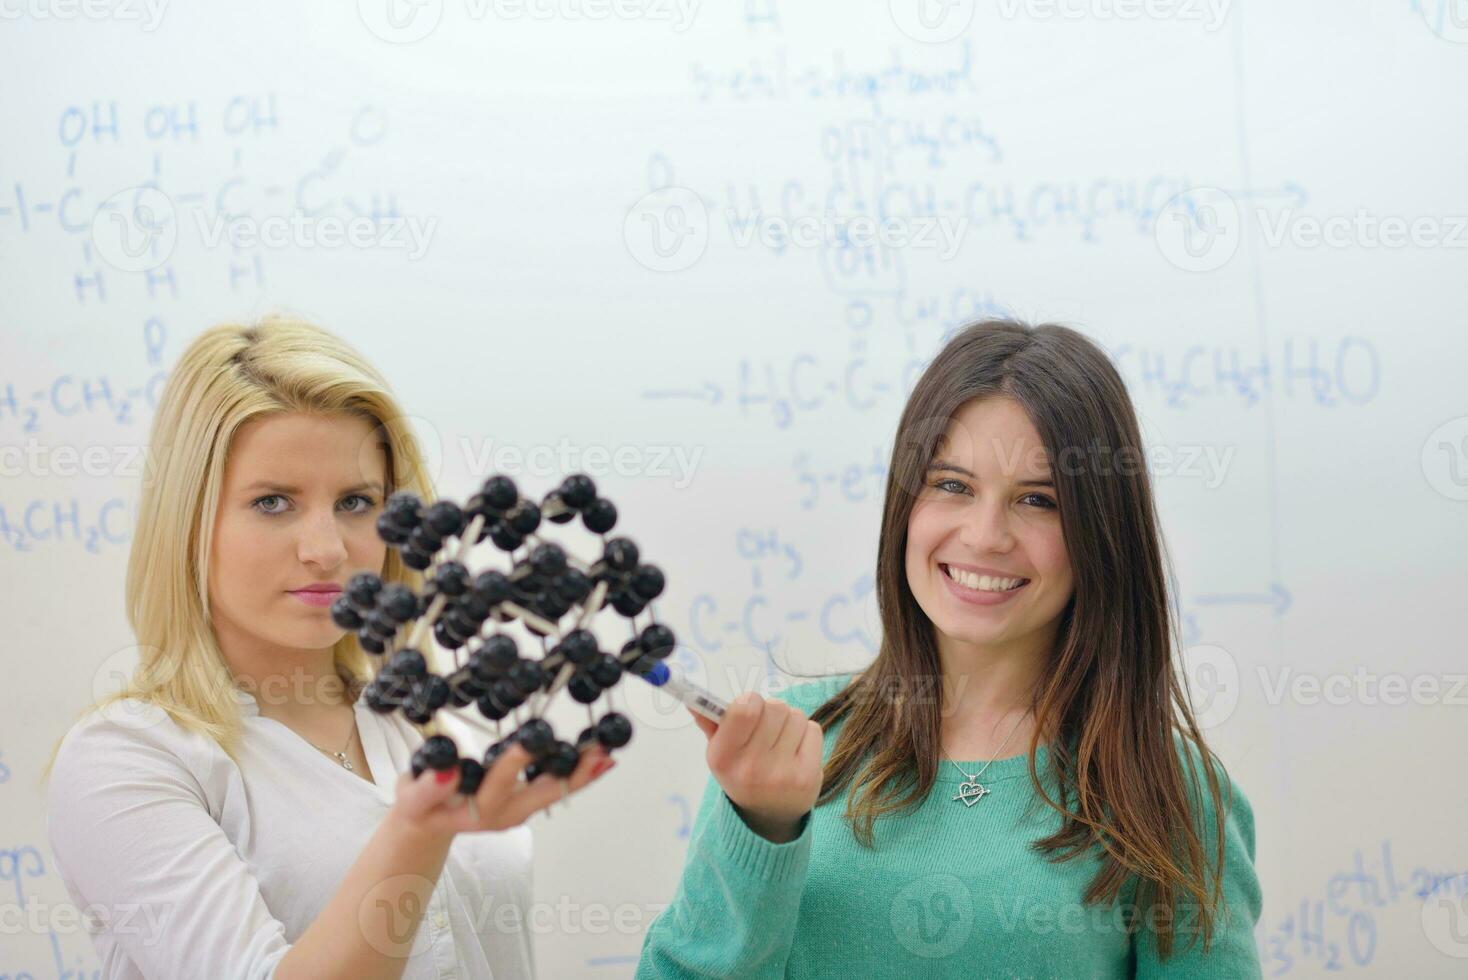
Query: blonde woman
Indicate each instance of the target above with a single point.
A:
(236, 808)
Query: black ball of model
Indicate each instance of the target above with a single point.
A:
(467, 614)
(438, 752)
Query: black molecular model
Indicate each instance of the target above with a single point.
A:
(552, 594)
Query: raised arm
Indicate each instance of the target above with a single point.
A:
(734, 912)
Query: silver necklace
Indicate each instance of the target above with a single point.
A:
(341, 756)
(972, 791)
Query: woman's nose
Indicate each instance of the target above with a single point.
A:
(986, 527)
(321, 541)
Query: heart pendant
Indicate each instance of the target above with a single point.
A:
(971, 793)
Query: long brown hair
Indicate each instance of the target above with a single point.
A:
(1110, 692)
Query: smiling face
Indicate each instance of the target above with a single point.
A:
(298, 509)
(986, 517)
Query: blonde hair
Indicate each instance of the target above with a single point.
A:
(229, 375)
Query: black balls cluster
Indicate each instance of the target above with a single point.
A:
(374, 610)
(631, 583)
(577, 495)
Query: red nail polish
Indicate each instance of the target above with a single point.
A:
(444, 775)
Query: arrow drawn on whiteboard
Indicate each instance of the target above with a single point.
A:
(1277, 596)
(710, 393)
(1288, 189)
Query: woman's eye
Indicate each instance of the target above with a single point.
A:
(958, 486)
(267, 510)
(367, 503)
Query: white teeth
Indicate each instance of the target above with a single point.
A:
(982, 583)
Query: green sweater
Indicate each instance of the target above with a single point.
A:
(948, 891)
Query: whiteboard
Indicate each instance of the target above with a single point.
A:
(601, 237)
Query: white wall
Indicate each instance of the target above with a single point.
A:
(1310, 395)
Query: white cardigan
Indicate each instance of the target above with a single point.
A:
(191, 866)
